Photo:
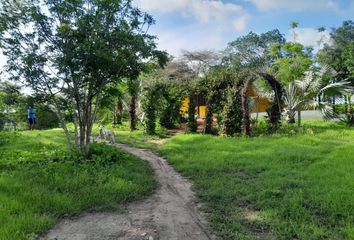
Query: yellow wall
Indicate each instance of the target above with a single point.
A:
(261, 104)
(184, 108)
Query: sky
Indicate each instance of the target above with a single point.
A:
(211, 24)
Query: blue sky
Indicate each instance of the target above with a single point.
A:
(211, 24)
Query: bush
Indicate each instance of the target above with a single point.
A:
(103, 154)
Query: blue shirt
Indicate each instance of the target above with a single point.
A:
(31, 113)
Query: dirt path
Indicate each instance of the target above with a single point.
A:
(171, 213)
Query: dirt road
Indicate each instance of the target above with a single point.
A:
(171, 213)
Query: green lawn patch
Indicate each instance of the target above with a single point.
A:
(38, 184)
(140, 139)
(285, 186)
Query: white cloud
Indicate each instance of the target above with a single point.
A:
(310, 37)
(240, 24)
(295, 5)
(203, 10)
(163, 6)
(190, 38)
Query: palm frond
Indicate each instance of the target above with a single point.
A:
(342, 87)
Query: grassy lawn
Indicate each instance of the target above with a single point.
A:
(137, 138)
(140, 139)
(273, 187)
(38, 184)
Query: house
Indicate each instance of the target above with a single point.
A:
(260, 104)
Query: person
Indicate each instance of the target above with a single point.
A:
(31, 117)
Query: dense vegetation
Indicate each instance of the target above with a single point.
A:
(39, 183)
(91, 63)
(288, 186)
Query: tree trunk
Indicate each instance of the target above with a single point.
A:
(299, 118)
(63, 125)
(119, 111)
(132, 112)
(246, 119)
(346, 106)
(291, 116)
(208, 125)
(192, 122)
(76, 123)
(350, 115)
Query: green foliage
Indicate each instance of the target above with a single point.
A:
(292, 185)
(165, 99)
(46, 117)
(252, 54)
(78, 48)
(340, 55)
(40, 184)
(293, 60)
(112, 104)
(192, 112)
(171, 102)
(11, 105)
(150, 107)
(252, 51)
(232, 120)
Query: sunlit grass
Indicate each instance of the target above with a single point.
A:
(38, 184)
(293, 185)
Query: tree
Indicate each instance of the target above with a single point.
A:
(112, 104)
(293, 60)
(200, 62)
(75, 49)
(172, 96)
(338, 54)
(133, 90)
(184, 76)
(214, 84)
(232, 122)
(10, 97)
(293, 26)
(300, 95)
(321, 30)
(153, 93)
(251, 53)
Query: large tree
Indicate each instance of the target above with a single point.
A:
(10, 99)
(293, 61)
(187, 78)
(214, 84)
(75, 49)
(201, 62)
(300, 94)
(251, 53)
(339, 55)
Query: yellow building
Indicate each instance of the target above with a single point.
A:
(260, 103)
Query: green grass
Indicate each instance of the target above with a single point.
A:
(39, 185)
(285, 186)
(140, 139)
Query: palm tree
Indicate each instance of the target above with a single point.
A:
(293, 26)
(321, 30)
(301, 95)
